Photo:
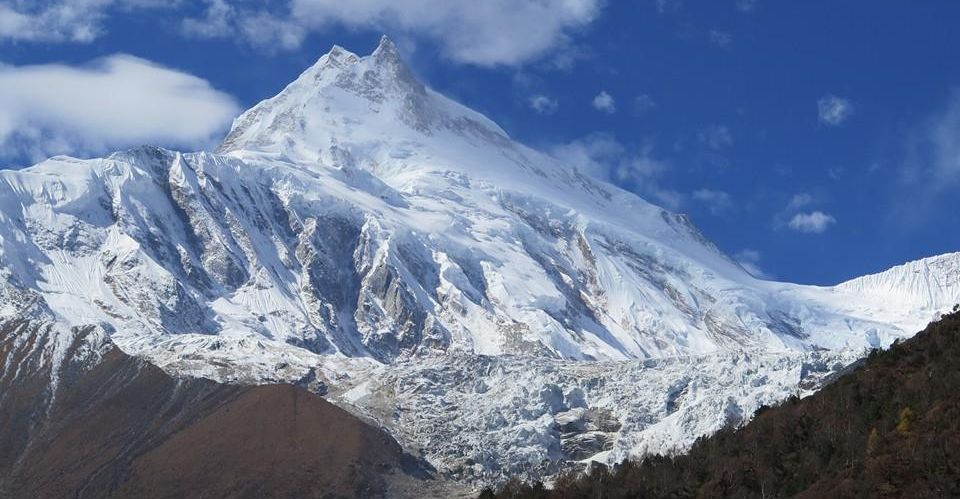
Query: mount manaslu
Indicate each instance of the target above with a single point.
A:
(493, 309)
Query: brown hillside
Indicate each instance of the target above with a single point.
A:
(124, 428)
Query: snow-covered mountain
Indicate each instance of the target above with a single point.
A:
(362, 234)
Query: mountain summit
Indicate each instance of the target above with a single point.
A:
(343, 92)
(363, 235)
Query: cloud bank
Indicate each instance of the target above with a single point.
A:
(114, 102)
(79, 21)
(488, 33)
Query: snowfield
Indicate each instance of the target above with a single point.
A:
(365, 236)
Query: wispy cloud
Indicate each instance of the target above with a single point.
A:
(58, 21)
(943, 138)
(749, 259)
(798, 201)
(543, 104)
(112, 102)
(667, 6)
(715, 137)
(501, 32)
(746, 5)
(604, 102)
(721, 39)
(602, 156)
(717, 202)
(833, 110)
(813, 222)
(930, 169)
(260, 29)
(643, 104)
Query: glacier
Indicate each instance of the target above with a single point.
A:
(490, 306)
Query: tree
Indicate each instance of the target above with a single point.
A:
(903, 425)
(873, 441)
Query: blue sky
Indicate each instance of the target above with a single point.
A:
(815, 141)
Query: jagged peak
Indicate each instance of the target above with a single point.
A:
(385, 56)
(337, 56)
(337, 52)
(380, 77)
(341, 67)
(386, 48)
(324, 101)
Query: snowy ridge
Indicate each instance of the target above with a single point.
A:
(361, 227)
(925, 284)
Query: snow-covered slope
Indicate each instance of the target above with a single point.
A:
(924, 285)
(359, 225)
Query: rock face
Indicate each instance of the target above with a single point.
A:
(586, 432)
(359, 224)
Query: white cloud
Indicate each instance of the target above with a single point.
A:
(217, 22)
(799, 215)
(260, 29)
(799, 201)
(113, 102)
(62, 21)
(834, 110)
(602, 156)
(79, 21)
(543, 104)
(716, 202)
(567, 56)
(667, 198)
(813, 222)
(489, 33)
(928, 173)
(932, 150)
(267, 31)
(643, 104)
(749, 259)
(604, 102)
(596, 155)
(716, 137)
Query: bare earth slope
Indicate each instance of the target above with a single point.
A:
(121, 427)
